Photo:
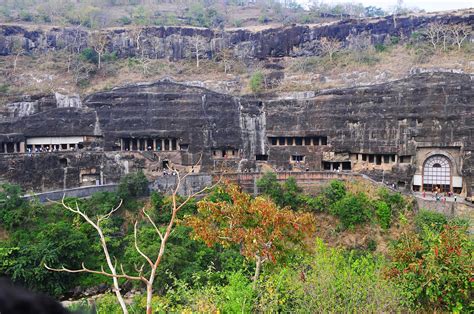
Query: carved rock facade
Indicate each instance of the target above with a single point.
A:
(388, 131)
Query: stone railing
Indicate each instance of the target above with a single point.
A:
(80, 192)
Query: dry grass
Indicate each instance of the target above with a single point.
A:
(48, 73)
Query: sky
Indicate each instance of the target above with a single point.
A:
(428, 5)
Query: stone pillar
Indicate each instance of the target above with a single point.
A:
(170, 146)
(121, 144)
(331, 166)
(14, 148)
(5, 148)
(22, 147)
(319, 141)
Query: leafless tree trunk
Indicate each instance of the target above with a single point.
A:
(112, 267)
(198, 48)
(153, 264)
(99, 44)
(330, 46)
(459, 34)
(434, 32)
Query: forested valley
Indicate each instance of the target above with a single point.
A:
(231, 252)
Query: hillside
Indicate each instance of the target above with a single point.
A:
(235, 157)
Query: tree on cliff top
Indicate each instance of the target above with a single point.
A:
(263, 231)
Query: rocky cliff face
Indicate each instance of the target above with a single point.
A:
(176, 43)
(384, 130)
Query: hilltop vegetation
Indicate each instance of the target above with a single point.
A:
(427, 265)
(201, 13)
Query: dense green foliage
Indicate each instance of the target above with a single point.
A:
(286, 194)
(133, 185)
(429, 268)
(352, 209)
(329, 280)
(39, 233)
(434, 267)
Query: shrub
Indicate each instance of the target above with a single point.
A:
(237, 296)
(329, 281)
(124, 20)
(269, 185)
(380, 47)
(335, 192)
(288, 194)
(434, 269)
(256, 82)
(431, 220)
(133, 185)
(12, 206)
(90, 55)
(394, 200)
(384, 214)
(352, 210)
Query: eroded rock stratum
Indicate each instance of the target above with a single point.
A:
(416, 132)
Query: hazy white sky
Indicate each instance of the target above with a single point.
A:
(428, 5)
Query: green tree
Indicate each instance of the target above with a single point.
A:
(13, 208)
(257, 82)
(133, 185)
(352, 210)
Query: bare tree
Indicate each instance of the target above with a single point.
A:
(98, 41)
(73, 46)
(226, 57)
(153, 262)
(136, 35)
(103, 243)
(198, 48)
(434, 32)
(17, 49)
(459, 33)
(330, 46)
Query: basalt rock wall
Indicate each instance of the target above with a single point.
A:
(383, 130)
(175, 43)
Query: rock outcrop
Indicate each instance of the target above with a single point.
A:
(385, 130)
(175, 43)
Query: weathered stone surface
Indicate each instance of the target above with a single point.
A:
(176, 43)
(402, 120)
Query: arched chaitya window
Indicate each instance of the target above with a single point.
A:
(437, 173)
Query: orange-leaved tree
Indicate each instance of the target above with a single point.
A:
(261, 229)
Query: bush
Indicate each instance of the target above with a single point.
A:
(394, 200)
(90, 55)
(288, 194)
(352, 210)
(329, 281)
(237, 296)
(256, 82)
(434, 269)
(133, 185)
(431, 220)
(384, 214)
(13, 208)
(124, 20)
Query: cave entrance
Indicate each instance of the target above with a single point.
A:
(165, 164)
